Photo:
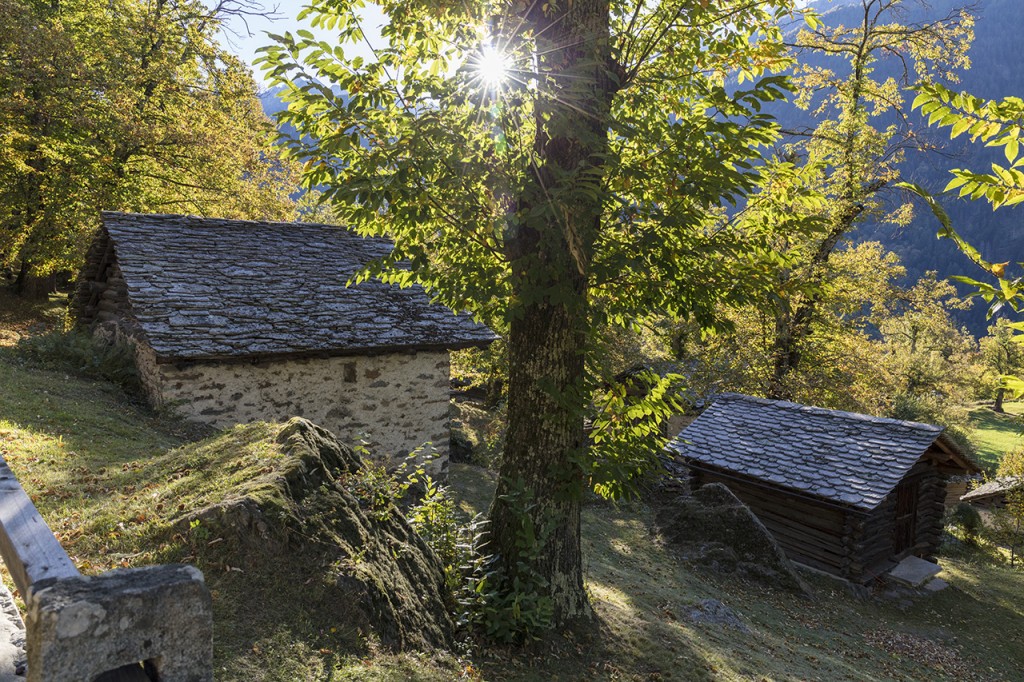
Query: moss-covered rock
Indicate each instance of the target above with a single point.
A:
(304, 524)
(712, 528)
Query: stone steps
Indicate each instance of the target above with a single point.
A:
(916, 572)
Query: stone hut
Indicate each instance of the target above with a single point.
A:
(235, 321)
(845, 493)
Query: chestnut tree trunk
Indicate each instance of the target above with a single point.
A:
(535, 515)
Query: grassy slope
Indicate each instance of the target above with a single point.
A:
(21, 318)
(641, 594)
(995, 434)
(107, 477)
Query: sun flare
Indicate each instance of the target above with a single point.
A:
(493, 67)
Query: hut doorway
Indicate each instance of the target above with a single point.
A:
(905, 528)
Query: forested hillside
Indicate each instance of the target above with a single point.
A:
(993, 75)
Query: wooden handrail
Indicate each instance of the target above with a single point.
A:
(101, 628)
(29, 549)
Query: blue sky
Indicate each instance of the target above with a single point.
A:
(244, 43)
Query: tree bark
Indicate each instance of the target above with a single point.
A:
(535, 515)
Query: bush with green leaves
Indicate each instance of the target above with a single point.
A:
(436, 519)
(480, 588)
(380, 487)
(967, 521)
(485, 603)
(83, 353)
(1007, 528)
(506, 607)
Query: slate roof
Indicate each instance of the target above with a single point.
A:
(853, 459)
(203, 288)
(993, 488)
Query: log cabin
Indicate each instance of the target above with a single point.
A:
(234, 321)
(844, 493)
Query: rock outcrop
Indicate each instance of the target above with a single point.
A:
(712, 528)
(314, 523)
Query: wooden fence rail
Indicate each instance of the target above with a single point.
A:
(151, 624)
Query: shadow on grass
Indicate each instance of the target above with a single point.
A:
(643, 595)
(632, 586)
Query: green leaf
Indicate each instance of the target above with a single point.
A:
(1011, 150)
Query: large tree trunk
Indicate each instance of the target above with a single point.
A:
(535, 515)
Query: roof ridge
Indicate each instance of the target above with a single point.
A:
(824, 411)
(122, 217)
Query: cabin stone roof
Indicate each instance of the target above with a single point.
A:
(994, 488)
(203, 288)
(844, 457)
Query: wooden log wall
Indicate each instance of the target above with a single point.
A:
(880, 526)
(855, 545)
(955, 489)
(930, 512)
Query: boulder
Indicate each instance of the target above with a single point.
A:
(715, 612)
(712, 528)
(315, 524)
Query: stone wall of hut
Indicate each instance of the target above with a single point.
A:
(396, 401)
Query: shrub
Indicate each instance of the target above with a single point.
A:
(1008, 523)
(438, 521)
(966, 519)
(507, 607)
(1007, 530)
(82, 353)
(486, 604)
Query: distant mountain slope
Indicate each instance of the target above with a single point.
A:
(995, 73)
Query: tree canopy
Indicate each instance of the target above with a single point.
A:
(996, 124)
(124, 105)
(853, 153)
(587, 186)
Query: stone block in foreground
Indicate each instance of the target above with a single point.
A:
(79, 628)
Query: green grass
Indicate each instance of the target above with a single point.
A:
(995, 433)
(115, 483)
(641, 594)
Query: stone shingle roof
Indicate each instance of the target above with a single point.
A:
(203, 288)
(853, 459)
(993, 488)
